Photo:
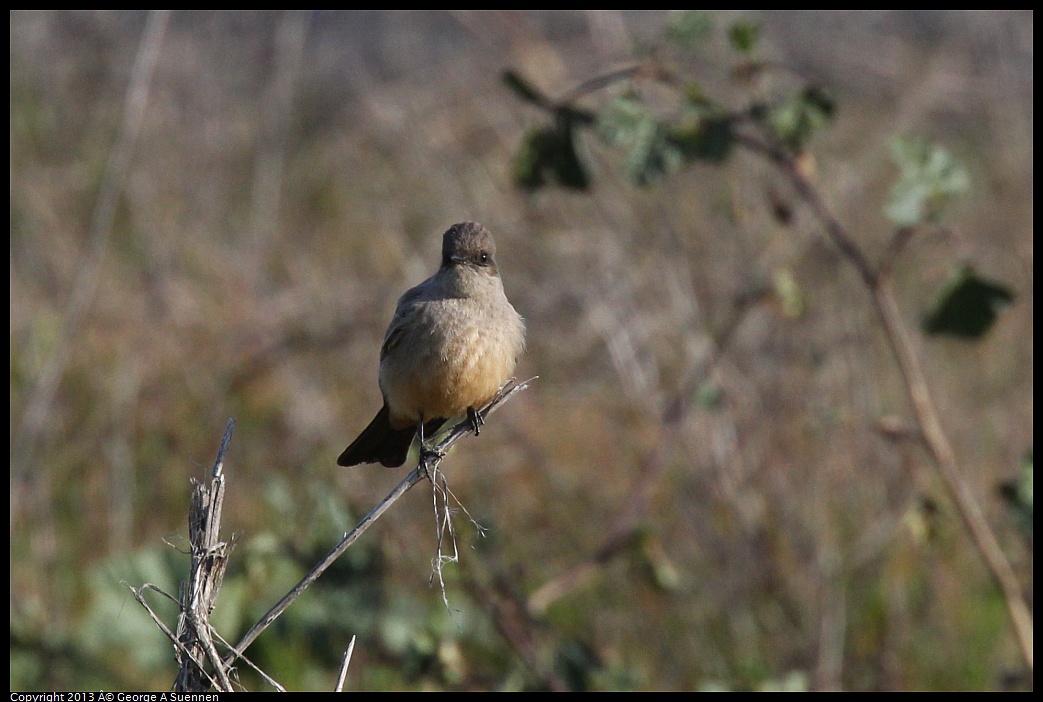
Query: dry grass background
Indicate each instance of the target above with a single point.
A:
(293, 174)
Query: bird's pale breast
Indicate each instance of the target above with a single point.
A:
(459, 355)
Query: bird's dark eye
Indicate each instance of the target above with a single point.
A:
(483, 258)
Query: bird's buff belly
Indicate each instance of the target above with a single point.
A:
(465, 374)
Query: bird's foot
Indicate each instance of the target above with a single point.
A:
(477, 420)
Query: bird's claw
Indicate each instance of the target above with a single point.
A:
(477, 420)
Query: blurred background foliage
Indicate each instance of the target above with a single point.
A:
(696, 494)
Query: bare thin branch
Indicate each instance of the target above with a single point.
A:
(428, 465)
(927, 417)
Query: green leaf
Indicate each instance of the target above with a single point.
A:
(619, 122)
(966, 305)
(709, 139)
(627, 123)
(656, 149)
(687, 28)
(928, 178)
(548, 156)
(743, 36)
(528, 161)
(796, 119)
(651, 156)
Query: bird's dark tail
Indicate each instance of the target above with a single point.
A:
(379, 443)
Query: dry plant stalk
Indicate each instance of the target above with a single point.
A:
(194, 641)
(209, 559)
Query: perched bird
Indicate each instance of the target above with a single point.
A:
(452, 344)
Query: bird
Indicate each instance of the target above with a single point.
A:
(452, 344)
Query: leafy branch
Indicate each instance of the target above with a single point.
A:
(701, 129)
